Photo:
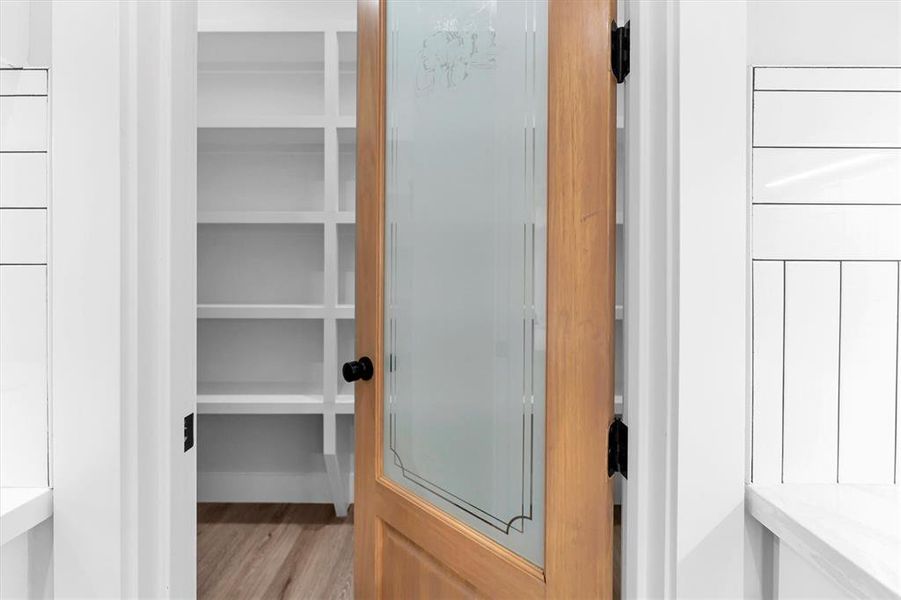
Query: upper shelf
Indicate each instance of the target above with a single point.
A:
(270, 52)
(272, 76)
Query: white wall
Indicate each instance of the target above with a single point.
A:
(833, 32)
(86, 302)
(718, 549)
(711, 115)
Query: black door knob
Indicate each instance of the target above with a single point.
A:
(357, 369)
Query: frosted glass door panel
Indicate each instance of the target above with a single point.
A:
(466, 192)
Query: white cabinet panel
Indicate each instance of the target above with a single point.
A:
(827, 176)
(23, 376)
(23, 124)
(827, 78)
(867, 390)
(23, 180)
(23, 82)
(811, 372)
(826, 119)
(826, 232)
(768, 370)
(23, 236)
(797, 578)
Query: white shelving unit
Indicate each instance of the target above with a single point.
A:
(275, 240)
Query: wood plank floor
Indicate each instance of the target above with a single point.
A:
(250, 551)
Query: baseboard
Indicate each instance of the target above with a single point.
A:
(311, 488)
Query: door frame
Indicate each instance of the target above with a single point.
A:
(581, 234)
(683, 506)
(124, 298)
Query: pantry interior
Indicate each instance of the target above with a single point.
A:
(276, 88)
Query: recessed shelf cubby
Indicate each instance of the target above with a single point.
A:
(254, 359)
(260, 169)
(260, 75)
(260, 264)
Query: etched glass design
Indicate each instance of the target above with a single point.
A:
(466, 246)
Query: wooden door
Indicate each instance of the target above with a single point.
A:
(462, 244)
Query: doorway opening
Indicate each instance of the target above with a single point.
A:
(276, 93)
(276, 239)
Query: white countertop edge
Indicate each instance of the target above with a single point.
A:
(22, 509)
(857, 579)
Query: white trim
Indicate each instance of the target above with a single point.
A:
(122, 238)
(650, 254)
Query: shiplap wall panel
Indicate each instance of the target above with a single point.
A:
(811, 372)
(23, 82)
(826, 176)
(23, 376)
(23, 180)
(807, 78)
(867, 387)
(23, 236)
(826, 195)
(827, 232)
(23, 124)
(24, 195)
(767, 380)
(827, 119)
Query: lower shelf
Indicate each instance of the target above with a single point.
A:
(22, 509)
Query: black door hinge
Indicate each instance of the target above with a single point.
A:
(619, 50)
(618, 448)
(189, 432)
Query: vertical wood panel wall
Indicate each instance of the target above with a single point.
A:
(826, 250)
